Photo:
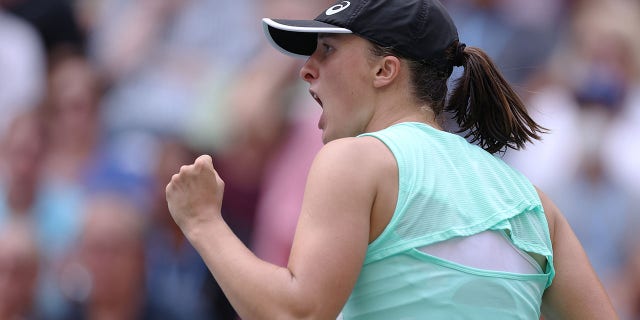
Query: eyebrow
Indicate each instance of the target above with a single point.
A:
(326, 35)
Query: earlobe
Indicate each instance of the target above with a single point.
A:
(387, 70)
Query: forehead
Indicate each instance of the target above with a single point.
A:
(342, 37)
(330, 35)
(350, 41)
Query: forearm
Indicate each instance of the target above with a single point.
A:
(326, 256)
(255, 288)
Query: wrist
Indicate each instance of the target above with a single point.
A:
(201, 228)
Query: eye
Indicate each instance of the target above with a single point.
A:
(326, 47)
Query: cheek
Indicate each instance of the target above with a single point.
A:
(347, 103)
(345, 108)
(349, 91)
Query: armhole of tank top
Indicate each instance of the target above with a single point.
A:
(531, 257)
(401, 196)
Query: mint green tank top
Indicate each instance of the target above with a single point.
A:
(450, 188)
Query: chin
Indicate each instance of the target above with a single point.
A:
(327, 137)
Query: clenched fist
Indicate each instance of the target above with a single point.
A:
(194, 195)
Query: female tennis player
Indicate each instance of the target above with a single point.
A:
(401, 219)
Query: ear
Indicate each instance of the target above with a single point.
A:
(387, 70)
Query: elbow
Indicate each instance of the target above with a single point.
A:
(309, 309)
(298, 308)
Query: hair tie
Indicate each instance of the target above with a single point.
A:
(459, 58)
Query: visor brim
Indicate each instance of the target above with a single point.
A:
(297, 38)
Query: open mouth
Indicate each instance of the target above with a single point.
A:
(315, 97)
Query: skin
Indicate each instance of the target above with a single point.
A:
(348, 201)
(576, 291)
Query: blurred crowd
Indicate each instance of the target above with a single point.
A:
(102, 101)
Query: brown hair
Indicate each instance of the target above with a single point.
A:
(485, 107)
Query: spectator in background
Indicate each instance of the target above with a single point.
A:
(20, 167)
(104, 276)
(19, 269)
(22, 61)
(72, 110)
(21, 195)
(79, 158)
(179, 285)
(53, 33)
(72, 130)
(588, 98)
(54, 20)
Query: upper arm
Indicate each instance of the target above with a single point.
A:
(576, 291)
(333, 229)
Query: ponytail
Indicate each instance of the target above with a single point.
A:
(485, 106)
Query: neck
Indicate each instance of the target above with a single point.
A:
(395, 103)
(394, 111)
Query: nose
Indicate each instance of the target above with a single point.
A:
(309, 71)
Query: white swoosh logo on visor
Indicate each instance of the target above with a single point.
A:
(337, 8)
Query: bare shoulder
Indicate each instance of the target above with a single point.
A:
(355, 153)
(551, 211)
(358, 171)
(360, 167)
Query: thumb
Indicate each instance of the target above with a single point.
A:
(204, 161)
